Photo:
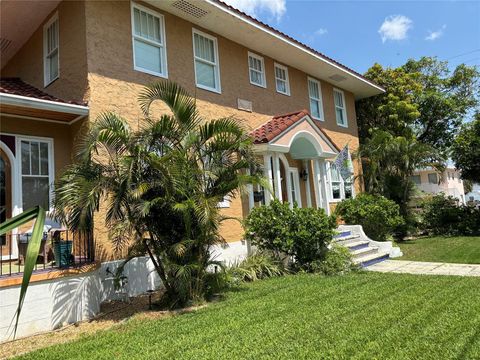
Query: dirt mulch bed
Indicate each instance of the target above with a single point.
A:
(111, 314)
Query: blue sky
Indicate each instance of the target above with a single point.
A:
(360, 33)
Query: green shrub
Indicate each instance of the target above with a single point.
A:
(260, 265)
(338, 261)
(443, 216)
(302, 233)
(378, 216)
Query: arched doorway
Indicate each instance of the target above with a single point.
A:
(5, 199)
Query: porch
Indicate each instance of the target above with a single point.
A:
(297, 157)
(36, 142)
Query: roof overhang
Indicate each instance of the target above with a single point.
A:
(219, 18)
(39, 109)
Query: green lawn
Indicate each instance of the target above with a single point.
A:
(465, 250)
(359, 316)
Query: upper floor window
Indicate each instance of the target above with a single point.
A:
(340, 110)
(315, 95)
(432, 178)
(256, 68)
(281, 79)
(50, 50)
(148, 38)
(416, 179)
(205, 52)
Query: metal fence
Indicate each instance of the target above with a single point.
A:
(59, 249)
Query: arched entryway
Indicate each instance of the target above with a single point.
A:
(5, 199)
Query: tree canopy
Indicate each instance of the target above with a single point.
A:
(466, 150)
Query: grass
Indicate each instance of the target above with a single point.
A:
(464, 250)
(359, 316)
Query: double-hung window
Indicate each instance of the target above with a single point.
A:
(50, 51)
(339, 188)
(315, 95)
(281, 79)
(340, 110)
(433, 178)
(256, 69)
(36, 172)
(205, 52)
(148, 38)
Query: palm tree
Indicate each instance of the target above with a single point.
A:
(389, 161)
(160, 185)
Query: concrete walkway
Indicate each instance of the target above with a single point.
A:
(426, 268)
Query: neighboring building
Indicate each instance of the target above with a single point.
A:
(66, 62)
(449, 182)
(474, 195)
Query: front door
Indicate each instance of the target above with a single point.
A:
(5, 200)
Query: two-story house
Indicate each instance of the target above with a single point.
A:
(65, 62)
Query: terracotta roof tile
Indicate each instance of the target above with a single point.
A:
(278, 124)
(15, 86)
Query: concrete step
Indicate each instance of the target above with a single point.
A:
(356, 244)
(371, 259)
(346, 239)
(369, 250)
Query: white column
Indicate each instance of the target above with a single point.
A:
(251, 202)
(268, 171)
(316, 183)
(325, 188)
(306, 166)
(277, 177)
(289, 187)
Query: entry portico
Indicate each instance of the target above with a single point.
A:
(297, 157)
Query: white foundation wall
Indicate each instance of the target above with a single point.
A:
(231, 252)
(50, 304)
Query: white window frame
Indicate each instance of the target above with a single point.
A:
(344, 109)
(295, 186)
(342, 185)
(51, 166)
(287, 79)
(319, 100)
(216, 64)
(162, 45)
(46, 61)
(262, 61)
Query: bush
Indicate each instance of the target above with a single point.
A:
(378, 216)
(443, 216)
(260, 265)
(338, 261)
(303, 233)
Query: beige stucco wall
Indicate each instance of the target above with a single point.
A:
(28, 62)
(96, 64)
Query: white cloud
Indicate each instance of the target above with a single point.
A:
(275, 8)
(395, 27)
(434, 35)
(321, 32)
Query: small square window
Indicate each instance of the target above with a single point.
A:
(416, 179)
